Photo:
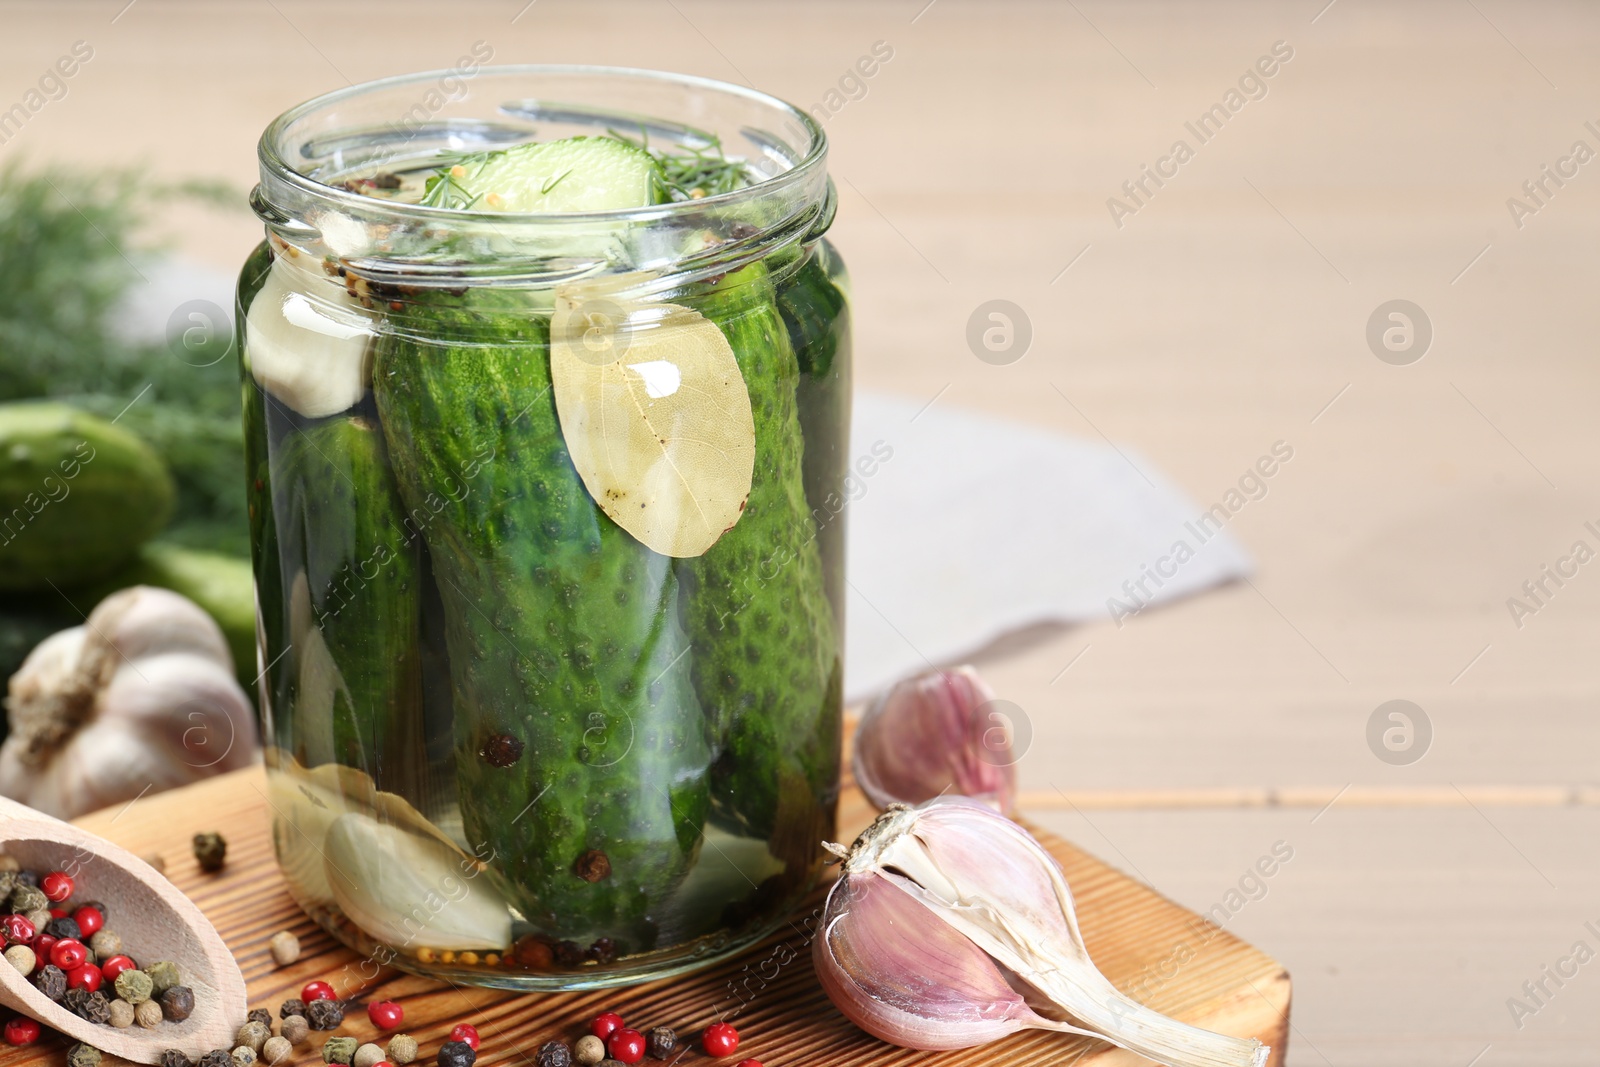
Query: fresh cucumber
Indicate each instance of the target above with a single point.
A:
(573, 174)
(580, 754)
(356, 565)
(766, 650)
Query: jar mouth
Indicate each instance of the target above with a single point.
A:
(310, 149)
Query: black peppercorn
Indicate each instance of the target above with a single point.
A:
(260, 1015)
(292, 1006)
(28, 878)
(569, 953)
(604, 950)
(217, 1057)
(456, 1054)
(209, 851)
(663, 1042)
(501, 750)
(63, 929)
(554, 1054)
(324, 1014)
(91, 1006)
(177, 1004)
(51, 981)
(174, 1058)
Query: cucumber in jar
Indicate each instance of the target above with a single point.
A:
(580, 755)
(355, 593)
(766, 658)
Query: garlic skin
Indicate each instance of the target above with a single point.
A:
(973, 873)
(891, 971)
(140, 698)
(306, 340)
(936, 733)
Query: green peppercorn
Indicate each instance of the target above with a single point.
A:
(26, 898)
(209, 851)
(83, 1056)
(163, 976)
(339, 1049)
(134, 986)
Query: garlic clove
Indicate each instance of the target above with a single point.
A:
(910, 980)
(987, 879)
(411, 891)
(307, 341)
(936, 733)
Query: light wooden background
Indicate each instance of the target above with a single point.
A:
(1227, 314)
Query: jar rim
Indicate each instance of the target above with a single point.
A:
(275, 166)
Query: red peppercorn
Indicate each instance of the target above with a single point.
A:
(466, 1032)
(605, 1024)
(115, 966)
(749, 1063)
(85, 976)
(720, 1039)
(89, 920)
(625, 1045)
(42, 946)
(318, 991)
(58, 913)
(57, 885)
(387, 1015)
(68, 954)
(20, 1031)
(18, 930)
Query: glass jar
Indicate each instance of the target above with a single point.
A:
(508, 742)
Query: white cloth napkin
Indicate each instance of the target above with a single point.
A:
(975, 527)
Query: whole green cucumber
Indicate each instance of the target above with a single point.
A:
(337, 512)
(766, 654)
(78, 495)
(580, 754)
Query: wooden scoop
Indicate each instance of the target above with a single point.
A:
(155, 921)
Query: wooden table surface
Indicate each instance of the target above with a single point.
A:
(1144, 943)
(1226, 313)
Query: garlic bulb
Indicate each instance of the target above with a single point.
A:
(140, 698)
(935, 733)
(949, 916)
(306, 340)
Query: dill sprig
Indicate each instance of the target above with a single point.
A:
(444, 189)
(690, 173)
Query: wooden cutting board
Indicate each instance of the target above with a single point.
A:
(1167, 956)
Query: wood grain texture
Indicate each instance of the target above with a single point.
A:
(1137, 937)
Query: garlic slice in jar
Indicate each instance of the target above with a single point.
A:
(411, 891)
(307, 342)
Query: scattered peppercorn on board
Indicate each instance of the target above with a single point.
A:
(1161, 953)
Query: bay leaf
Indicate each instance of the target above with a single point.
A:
(656, 417)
